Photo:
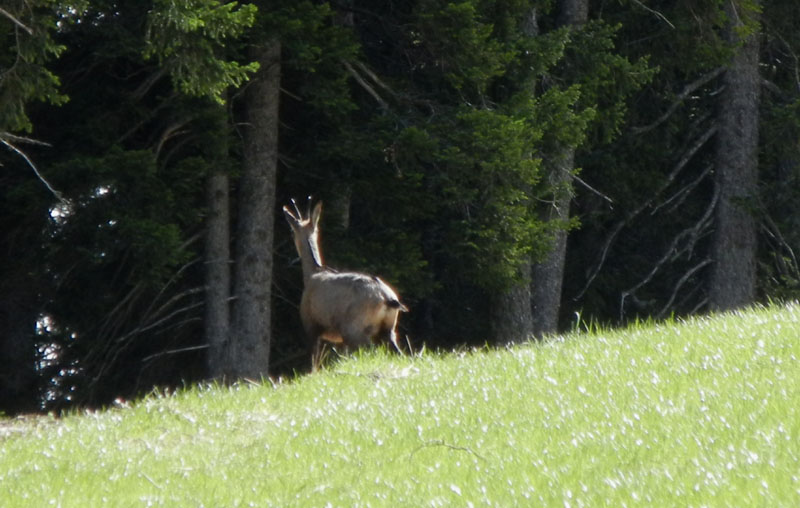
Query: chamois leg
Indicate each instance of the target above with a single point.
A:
(317, 354)
(388, 337)
(356, 336)
(387, 333)
(315, 343)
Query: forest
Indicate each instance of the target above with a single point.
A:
(513, 168)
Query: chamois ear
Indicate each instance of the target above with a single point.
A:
(316, 214)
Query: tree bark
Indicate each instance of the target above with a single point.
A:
(547, 276)
(18, 377)
(251, 325)
(733, 273)
(572, 12)
(511, 320)
(218, 276)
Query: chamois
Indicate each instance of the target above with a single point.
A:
(343, 308)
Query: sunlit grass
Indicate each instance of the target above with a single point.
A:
(677, 414)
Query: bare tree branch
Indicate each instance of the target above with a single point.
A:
(680, 196)
(113, 352)
(4, 139)
(23, 139)
(687, 90)
(603, 254)
(113, 336)
(657, 14)
(175, 351)
(672, 252)
(676, 169)
(176, 129)
(702, 303)
(774, 231)
(148, 83)
(591, 189)
(176, 312)
(374, 77)
(366, 86)
(15, 21)
(680, 284)
(788, 46)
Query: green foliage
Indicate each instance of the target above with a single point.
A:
(449, 110)
(27, 31)
(607, 79)
(122, 284)
(117, 259)
(473, 150)
(461, 45)
(426, 127)
(485, 173)
(745, 18)
(125, 196)
(188, 39)
(559, 108)
(686, 413)
(315, 46)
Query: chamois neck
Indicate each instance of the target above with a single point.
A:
(310, 268)
(311, 258)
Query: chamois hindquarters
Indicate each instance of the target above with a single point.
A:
(361, 309)
(391, 309)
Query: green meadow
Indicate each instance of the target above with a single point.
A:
(702, 412)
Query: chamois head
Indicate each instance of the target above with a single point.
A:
(305, 230)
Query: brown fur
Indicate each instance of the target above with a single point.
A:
(347, 308)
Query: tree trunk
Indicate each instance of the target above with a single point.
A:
(511, 320)
(18, 377)
(547, 277)
(251, 332)
(218, 278)
(733, 273)
(572, 12)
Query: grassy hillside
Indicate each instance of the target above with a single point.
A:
(683, 414)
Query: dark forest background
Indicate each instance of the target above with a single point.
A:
(512, 167)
